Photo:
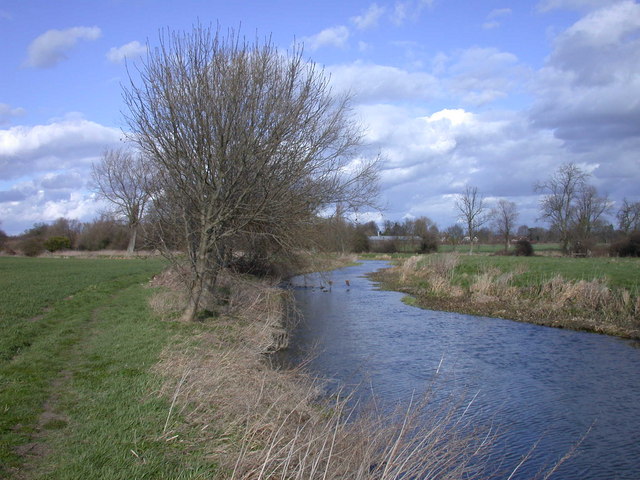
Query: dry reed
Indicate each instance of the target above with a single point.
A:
(258, 422)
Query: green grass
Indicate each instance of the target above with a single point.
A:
(86, 363)
(618, 272)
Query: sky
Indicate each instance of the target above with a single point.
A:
(493, 94)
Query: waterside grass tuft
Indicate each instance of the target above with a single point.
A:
(593, 294)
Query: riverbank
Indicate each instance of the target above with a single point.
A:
(506, 288)
(233, 405)
(102, 380)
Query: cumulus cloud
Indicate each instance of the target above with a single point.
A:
(430, 156)
(130, 50)
(61, 144)
(482, 75)
(7, 113)
(52, 47)
(55, 159)
(589, 88)
(329, 37)
(369, 18)
(371, 82)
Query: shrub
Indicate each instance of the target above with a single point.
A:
(523, 248)
(629, 247)
(428, 244)
(53, 244)
(32, 246)
(360, 242)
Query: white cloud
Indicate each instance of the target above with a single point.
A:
(370, 18)
(56, 160)
(52, 47)
(546, 5)
(493, 18)
(588, 90)
(130, 50)
(7, 112)
(370, 82)
(329, 37)
(61, 144)
(404, 10)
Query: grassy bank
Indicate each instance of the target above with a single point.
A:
(99, 380)
(592, 294)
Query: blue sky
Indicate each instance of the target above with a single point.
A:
(494, 94)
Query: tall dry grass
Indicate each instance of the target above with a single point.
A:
(260, 422)
(590, 304)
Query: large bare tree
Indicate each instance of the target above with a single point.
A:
(590, 208)
(558, 205)
(629, 216)
(122, 178)
(471, 211)
(246, 142)
(504, 216)
(571, 205)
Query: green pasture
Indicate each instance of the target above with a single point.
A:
(77, 392)
(533, 271)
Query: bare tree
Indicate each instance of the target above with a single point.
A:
(629, 216)
(122, 178)
(471, 210)
(247, 142)
(558, 205)
(589, 211)
(504, 217)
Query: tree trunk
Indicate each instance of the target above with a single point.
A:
(132, 240)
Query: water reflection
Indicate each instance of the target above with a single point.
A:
(538, 383)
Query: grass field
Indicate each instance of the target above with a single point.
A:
(76, 351)
(598, 294)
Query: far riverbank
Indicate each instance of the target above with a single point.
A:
(511, 288)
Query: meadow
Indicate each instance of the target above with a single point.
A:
(76, 356)
(599, 294)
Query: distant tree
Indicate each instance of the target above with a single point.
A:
(471, 211)
(524, 231)
(370, 228)
(558, 205)
(65, 227)
(103, 233)
(3, 239)
(53, 244)
(454, 234)
(123, 178)
(629, 216)
(589, 211)
(503, 217)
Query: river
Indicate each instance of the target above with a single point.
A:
(540, 386)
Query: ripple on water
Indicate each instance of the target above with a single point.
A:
(540, 386)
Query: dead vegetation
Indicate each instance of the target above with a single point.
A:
(259, 422)
(590, 305)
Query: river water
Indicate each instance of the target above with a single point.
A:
(540, 386)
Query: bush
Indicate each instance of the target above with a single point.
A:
(360, 242)
(53, 244)
(428, 244)
(523, 248)
(32, 246)
(629, 247)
